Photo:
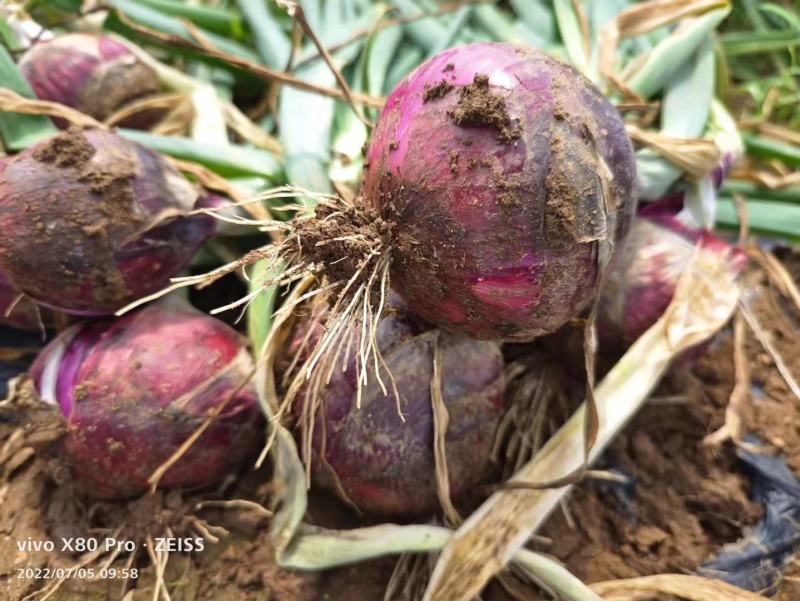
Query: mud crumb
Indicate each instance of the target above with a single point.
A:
(96, 228)
(70, 149)
(438, 91)
(508, 199)
(392, 146)
(472, 163)
(478, 107)
(448, 67)
(80, 392)
(453, 156)
(114, 446)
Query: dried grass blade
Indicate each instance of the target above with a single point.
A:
(691, 588)
(643, 18)
(260, 71)
(764, 339)
(697, 157)
(440, 420)
(318, 548)
(777, 274)
(14, 103)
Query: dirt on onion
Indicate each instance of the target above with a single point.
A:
(92, 221)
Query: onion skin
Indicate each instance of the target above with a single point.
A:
(386, 466)
(646, 272)
(24, 315)
(132, 390)
(497, 225)
(92, 73)
(92, 221)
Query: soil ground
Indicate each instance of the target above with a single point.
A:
(688, 500)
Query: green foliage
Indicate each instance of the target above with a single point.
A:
(20, 131)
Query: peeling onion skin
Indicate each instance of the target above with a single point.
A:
(386, 466)
(132, 390)
(646, 272)
(24, 315)
(487, 227)
(92, 73)
(93, 235)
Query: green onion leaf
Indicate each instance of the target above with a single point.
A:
(20, 131)
(229, 160)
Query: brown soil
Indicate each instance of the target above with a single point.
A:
(338, 240)
(453, 157)
(39, 504)
(689, 499)
(478, 107)
(437, 91)
(70, 149)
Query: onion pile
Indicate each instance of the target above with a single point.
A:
(92, 73)
(92, 221)
(385, 465)
(502, 174)
(498, 184)
(134, 389)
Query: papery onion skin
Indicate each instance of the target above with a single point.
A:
(384, 465)
(93, 73)
(642, 283)
(92, 221)
(17, 312)
(493, 190)
(134, 389)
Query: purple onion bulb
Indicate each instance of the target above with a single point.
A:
(92, 73)
(92, 221)
(134, 389)
(386, 466)
(500, 170)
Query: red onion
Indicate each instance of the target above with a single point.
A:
(501, 171)
(92, 73)
(132, 390)
(642, 283)
(386, 466)
(92, 221)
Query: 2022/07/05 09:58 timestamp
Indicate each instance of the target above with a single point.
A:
(81, 573)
